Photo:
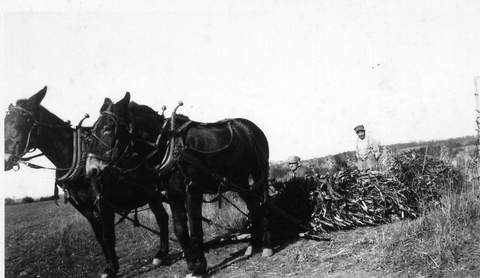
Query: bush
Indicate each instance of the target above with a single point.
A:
(51, 198)
(9, 201)
(27, 200)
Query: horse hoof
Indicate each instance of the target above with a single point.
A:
(249, 251)
(157, 261)
(267, 252)
(191, 275)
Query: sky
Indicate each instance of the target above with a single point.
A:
(306, 72)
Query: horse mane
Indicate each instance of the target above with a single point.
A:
(181, 119)
(45, 115)
(147, 123)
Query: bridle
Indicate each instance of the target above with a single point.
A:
(16, 154)
(114, 151)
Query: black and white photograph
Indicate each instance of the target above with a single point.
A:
(269, 138)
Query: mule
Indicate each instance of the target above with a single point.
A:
(29, 125)
(192, 159)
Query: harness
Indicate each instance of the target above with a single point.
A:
(114, 149)
(80, 145)
(176, 153)
(80, 138)
(22, 112)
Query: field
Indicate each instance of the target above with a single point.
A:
(45, 240)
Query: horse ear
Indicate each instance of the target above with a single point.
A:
(123, 103)
(10, 106)
(34, 101)
(106, 103)
(126, 97)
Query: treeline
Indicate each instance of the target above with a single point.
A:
(450, 143)
(27, 200)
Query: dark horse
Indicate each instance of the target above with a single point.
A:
(29, 125)
(192, 159)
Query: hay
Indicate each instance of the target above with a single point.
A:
(351, 198)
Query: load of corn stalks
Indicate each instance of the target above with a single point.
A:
(351, 198)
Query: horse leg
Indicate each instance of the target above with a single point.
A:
(107, 218)
(180, 227)
(162, 220)
(194, 209)
(97, 224)
(253, 205)
(257, 204)
(265, 212)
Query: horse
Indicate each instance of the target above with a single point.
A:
(29, 125)
(192, 159)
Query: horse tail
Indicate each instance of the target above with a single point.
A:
(260, 146)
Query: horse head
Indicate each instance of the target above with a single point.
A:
(21, 122)
(111, 136)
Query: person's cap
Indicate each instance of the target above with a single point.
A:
(359, 128)
(293, 159)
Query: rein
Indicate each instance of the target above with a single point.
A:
(79, 146)
(18, 157)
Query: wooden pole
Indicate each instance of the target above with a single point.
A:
(476, 171)
(476, 80)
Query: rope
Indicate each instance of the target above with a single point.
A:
(35, 166)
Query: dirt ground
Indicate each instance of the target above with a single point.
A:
(43, 240)
(341, 254)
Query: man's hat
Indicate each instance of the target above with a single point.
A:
(358, 128)
(293, 159)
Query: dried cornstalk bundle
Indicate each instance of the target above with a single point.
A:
(350, 198)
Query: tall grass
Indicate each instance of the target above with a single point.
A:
(444, 241)
(227, 218)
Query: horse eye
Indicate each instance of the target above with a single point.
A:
(109, 128)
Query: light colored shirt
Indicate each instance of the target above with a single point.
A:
(367, 146)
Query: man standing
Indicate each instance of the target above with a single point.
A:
(367, 150)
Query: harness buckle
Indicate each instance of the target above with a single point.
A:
(188, 181)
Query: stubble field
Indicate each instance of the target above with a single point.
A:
(45, 240)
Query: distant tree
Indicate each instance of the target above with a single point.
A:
(340, 161)
(27, 200)
(9, 201)
(277, 171)
(47, 198)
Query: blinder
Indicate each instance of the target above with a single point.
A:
(112, 154)
(25, 123)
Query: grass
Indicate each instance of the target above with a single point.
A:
(45, 240)
(442, 243)
(228, 218)
(64, 242)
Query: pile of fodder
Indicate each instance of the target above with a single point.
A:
(352, 198)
